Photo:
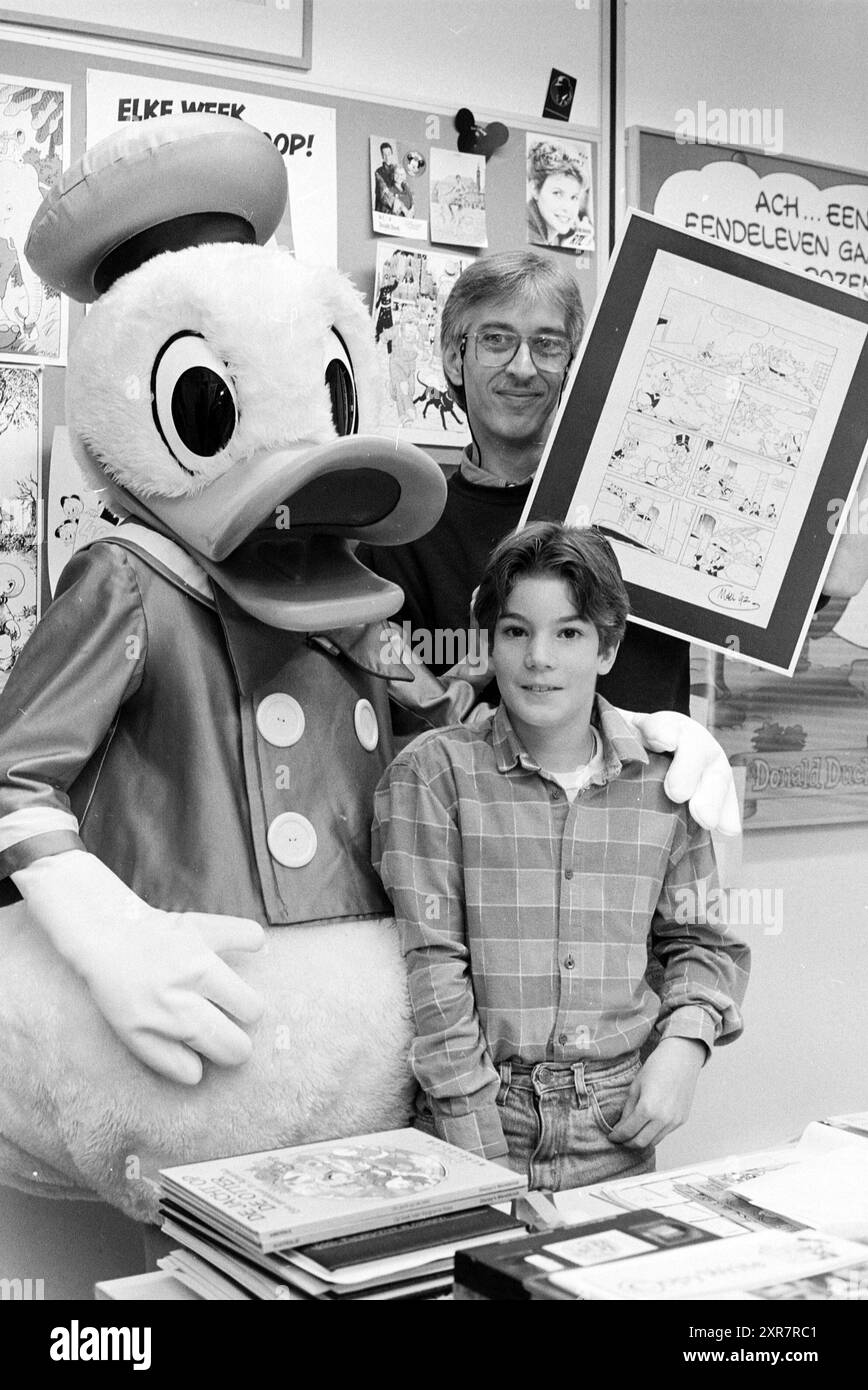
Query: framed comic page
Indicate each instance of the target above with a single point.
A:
(715, 409)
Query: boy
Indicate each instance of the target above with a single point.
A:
(526, 859)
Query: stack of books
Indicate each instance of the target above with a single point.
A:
(374, 1216)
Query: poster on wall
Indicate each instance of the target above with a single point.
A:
(714, 409)
(457, 198)
(560, 208)
(304, 135)
(20, 428)
(398, 198)
(75, 514)
(34, 149)
(822, 232)
(800, 742)
(410, 289)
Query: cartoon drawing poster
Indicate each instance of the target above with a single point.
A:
(711, 417)
(411, 286)
(20, 420)
(33, 152)
(76, 514)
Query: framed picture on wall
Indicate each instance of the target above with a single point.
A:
(801, 741)
(274, 31)
(714, 414)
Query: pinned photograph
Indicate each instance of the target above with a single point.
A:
(410, 290)
(20, 417)
(397, 200)
(560, 211)
(33, 153)
(457, 183)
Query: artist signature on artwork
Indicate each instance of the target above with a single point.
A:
(730, 596)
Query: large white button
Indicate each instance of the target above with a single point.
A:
(291, 840)
(367, 728)
(280, 720)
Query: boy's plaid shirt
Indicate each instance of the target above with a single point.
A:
(524, 919)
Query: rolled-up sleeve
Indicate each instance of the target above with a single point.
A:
(417, 852)
(85, 658)
(706, 966)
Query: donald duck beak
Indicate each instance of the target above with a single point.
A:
(272, 532)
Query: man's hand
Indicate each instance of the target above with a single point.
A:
(661, 1096)
(157, 977)
(700, 773)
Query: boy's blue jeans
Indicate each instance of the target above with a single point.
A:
(557, 1117)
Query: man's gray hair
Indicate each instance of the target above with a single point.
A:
(524, 276)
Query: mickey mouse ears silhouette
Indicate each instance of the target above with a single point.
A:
(479, 139)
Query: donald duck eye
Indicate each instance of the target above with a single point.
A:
(341, 383)
(193, 400)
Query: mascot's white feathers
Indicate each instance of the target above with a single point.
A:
(214, 291)
(81, 1117)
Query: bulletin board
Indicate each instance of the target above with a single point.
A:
(801, 742)
(356, 120)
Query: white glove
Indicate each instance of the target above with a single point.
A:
(156, 976)
(700, 773)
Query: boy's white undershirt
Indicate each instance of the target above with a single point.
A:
(572, 782)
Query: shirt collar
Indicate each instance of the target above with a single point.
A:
(480, 477)
(620, 742)
(166, 556)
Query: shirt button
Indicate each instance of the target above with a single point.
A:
(570, 962)
(563, 1038)
(367, 728)
(291, 840)
(280, 720)
(568, 873)
(556, 793)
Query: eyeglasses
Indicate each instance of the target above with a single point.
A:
(496, 347)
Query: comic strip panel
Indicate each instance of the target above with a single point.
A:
(675, 391)
(727, 549)
(764, 424)
(760, 353)
(656, 454)
(648, 520)
(740, 485)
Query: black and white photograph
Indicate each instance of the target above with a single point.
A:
(560, 205)
(397, 195)
(433, 678)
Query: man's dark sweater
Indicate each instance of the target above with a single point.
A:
(439, 572)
